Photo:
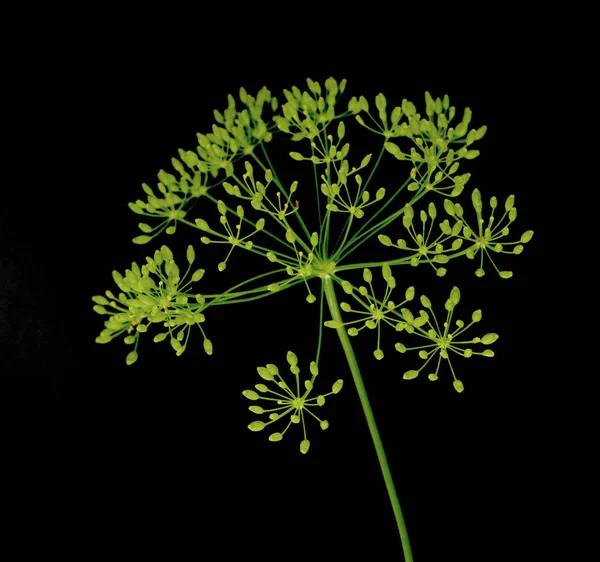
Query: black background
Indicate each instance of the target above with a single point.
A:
(156, 458)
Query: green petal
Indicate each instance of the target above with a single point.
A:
(202, 224)
(256, 425)
(510, 202)
(131, 358)
(394, 150)
(143, 239)
(527, 236)
(432, 211)
(455, 295)
(489, 339)
(337, 386)
(292, 359)
(304, 446)
(251, 395)
(256, 409)
(264, 373)
(407, 314)
(347, 286)
(190, 254)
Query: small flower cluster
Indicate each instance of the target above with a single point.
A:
(305, 114)
(144, 301)
(375, 313)
(442, 339)
(479, 240)
(285, 401)
(435, 161)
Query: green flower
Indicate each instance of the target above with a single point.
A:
(287, 401)
(444, 340)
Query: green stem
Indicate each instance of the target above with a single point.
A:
(364, 400)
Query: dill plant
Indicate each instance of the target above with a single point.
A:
(259, 213)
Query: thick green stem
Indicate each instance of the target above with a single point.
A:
(364, 400)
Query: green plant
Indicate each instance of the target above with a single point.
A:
(262, 216)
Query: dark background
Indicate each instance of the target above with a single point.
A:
(156, 458)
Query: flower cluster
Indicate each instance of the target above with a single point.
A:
(429, 249)
(443, 340)
(305, 114)
(287, 401)
(479, 240)
(374, 312)
(485, 239)
(176, 194)
(153, 294)
(435, 161)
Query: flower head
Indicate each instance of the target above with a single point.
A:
(286, 401)
(444, 340)
(153, 294)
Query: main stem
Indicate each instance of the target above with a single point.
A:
(364, 400)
